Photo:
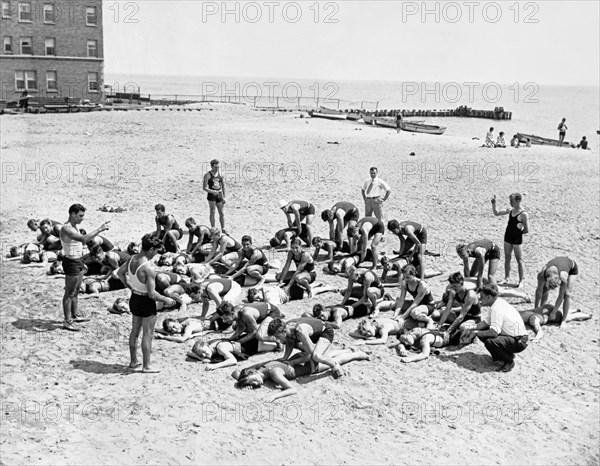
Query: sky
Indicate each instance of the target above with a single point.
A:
(547, 42)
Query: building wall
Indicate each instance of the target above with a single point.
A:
(71, 61)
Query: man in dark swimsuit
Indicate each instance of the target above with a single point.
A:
(304, 274)
(311, 336)
(252, 321)
(288, 235)
(369, 288)
(167, 229)
(202, 233)
(214, 185)
(359, 235)
(457, 293)
(422, 304)
(482, 250)
(251, 261)
(50, 235)
(336, 314)
(413, 241)
(298, 212)
(562, 132)
(559, 272)
(341, 215)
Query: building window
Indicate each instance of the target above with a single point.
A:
(6, 11)
(8, 44)
(92, 48)
(93, 82)
(49, 14)
(51, 81)
(25, 81)
(25, 12)
(26, 46)
(91, 18)
(50, 46)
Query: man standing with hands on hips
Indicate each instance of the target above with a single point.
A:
(214, 185)
(375, 192)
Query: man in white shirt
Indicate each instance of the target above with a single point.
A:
(502, 330)
(375, 192)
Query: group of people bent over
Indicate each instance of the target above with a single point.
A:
(214, 267)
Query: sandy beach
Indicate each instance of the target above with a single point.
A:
(66, 398)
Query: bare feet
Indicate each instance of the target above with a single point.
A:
(134, 365)
(69, 326)
(507, 367)
(150, 370)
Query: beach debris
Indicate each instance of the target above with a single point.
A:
(332, 142)
(412, 154)
(111, 209)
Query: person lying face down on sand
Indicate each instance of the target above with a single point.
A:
(482, 250)
(541, 316)
(413, 242)
(376, 331)
(197, 272)
(251, 322)
(183, 293)
(223, 247)
(170, 259)
(304, 274)
(281, 373)
(277, 296)
(224, 353)
(335, 314)
(329, 246)
(250, 261)
(288, 235)
(421, 306)
(459, 295)
(311, 336)
(367, 228)
(340, 216)
(561, 273)
(30, 254)
(180, 331)
(202, 232)
(167, 229)
(343, 264)
(368, 287)
(424, 339)
(298, 212)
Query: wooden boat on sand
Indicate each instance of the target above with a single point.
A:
(541, 141)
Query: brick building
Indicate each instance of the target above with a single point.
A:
(52, 48)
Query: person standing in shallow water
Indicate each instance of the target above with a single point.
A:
(214, 185)
(562, 132)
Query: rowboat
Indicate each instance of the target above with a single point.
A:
(411, 126)
(541, 141)
(328, 116)
(368, 119)
(353, 116)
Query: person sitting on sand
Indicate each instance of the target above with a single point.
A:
(277, 296)
(304, 274)
(287, 235)
(368, 289)
(251, 261)
(34, 225)
(502, 330)
(360, 234)
(515, 142)
(413, 242)
(343, 214)
(223, 353)
(180, 331)
(252, 321)
(329, 246)
(482, 250)
(219, 290)
(458, 294)
(202, 232)
(500, 142)
(110, 261)
(223, 248)
(369, 329)
(489, 139)
(281, 373)
(560, 272)
(541, 316)
(139, 276)
(422, 303)
(528, 142)
(312, 337)
(583, 144)
(167, 229)
(423, 340)
(298, 212)
(49, 237)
